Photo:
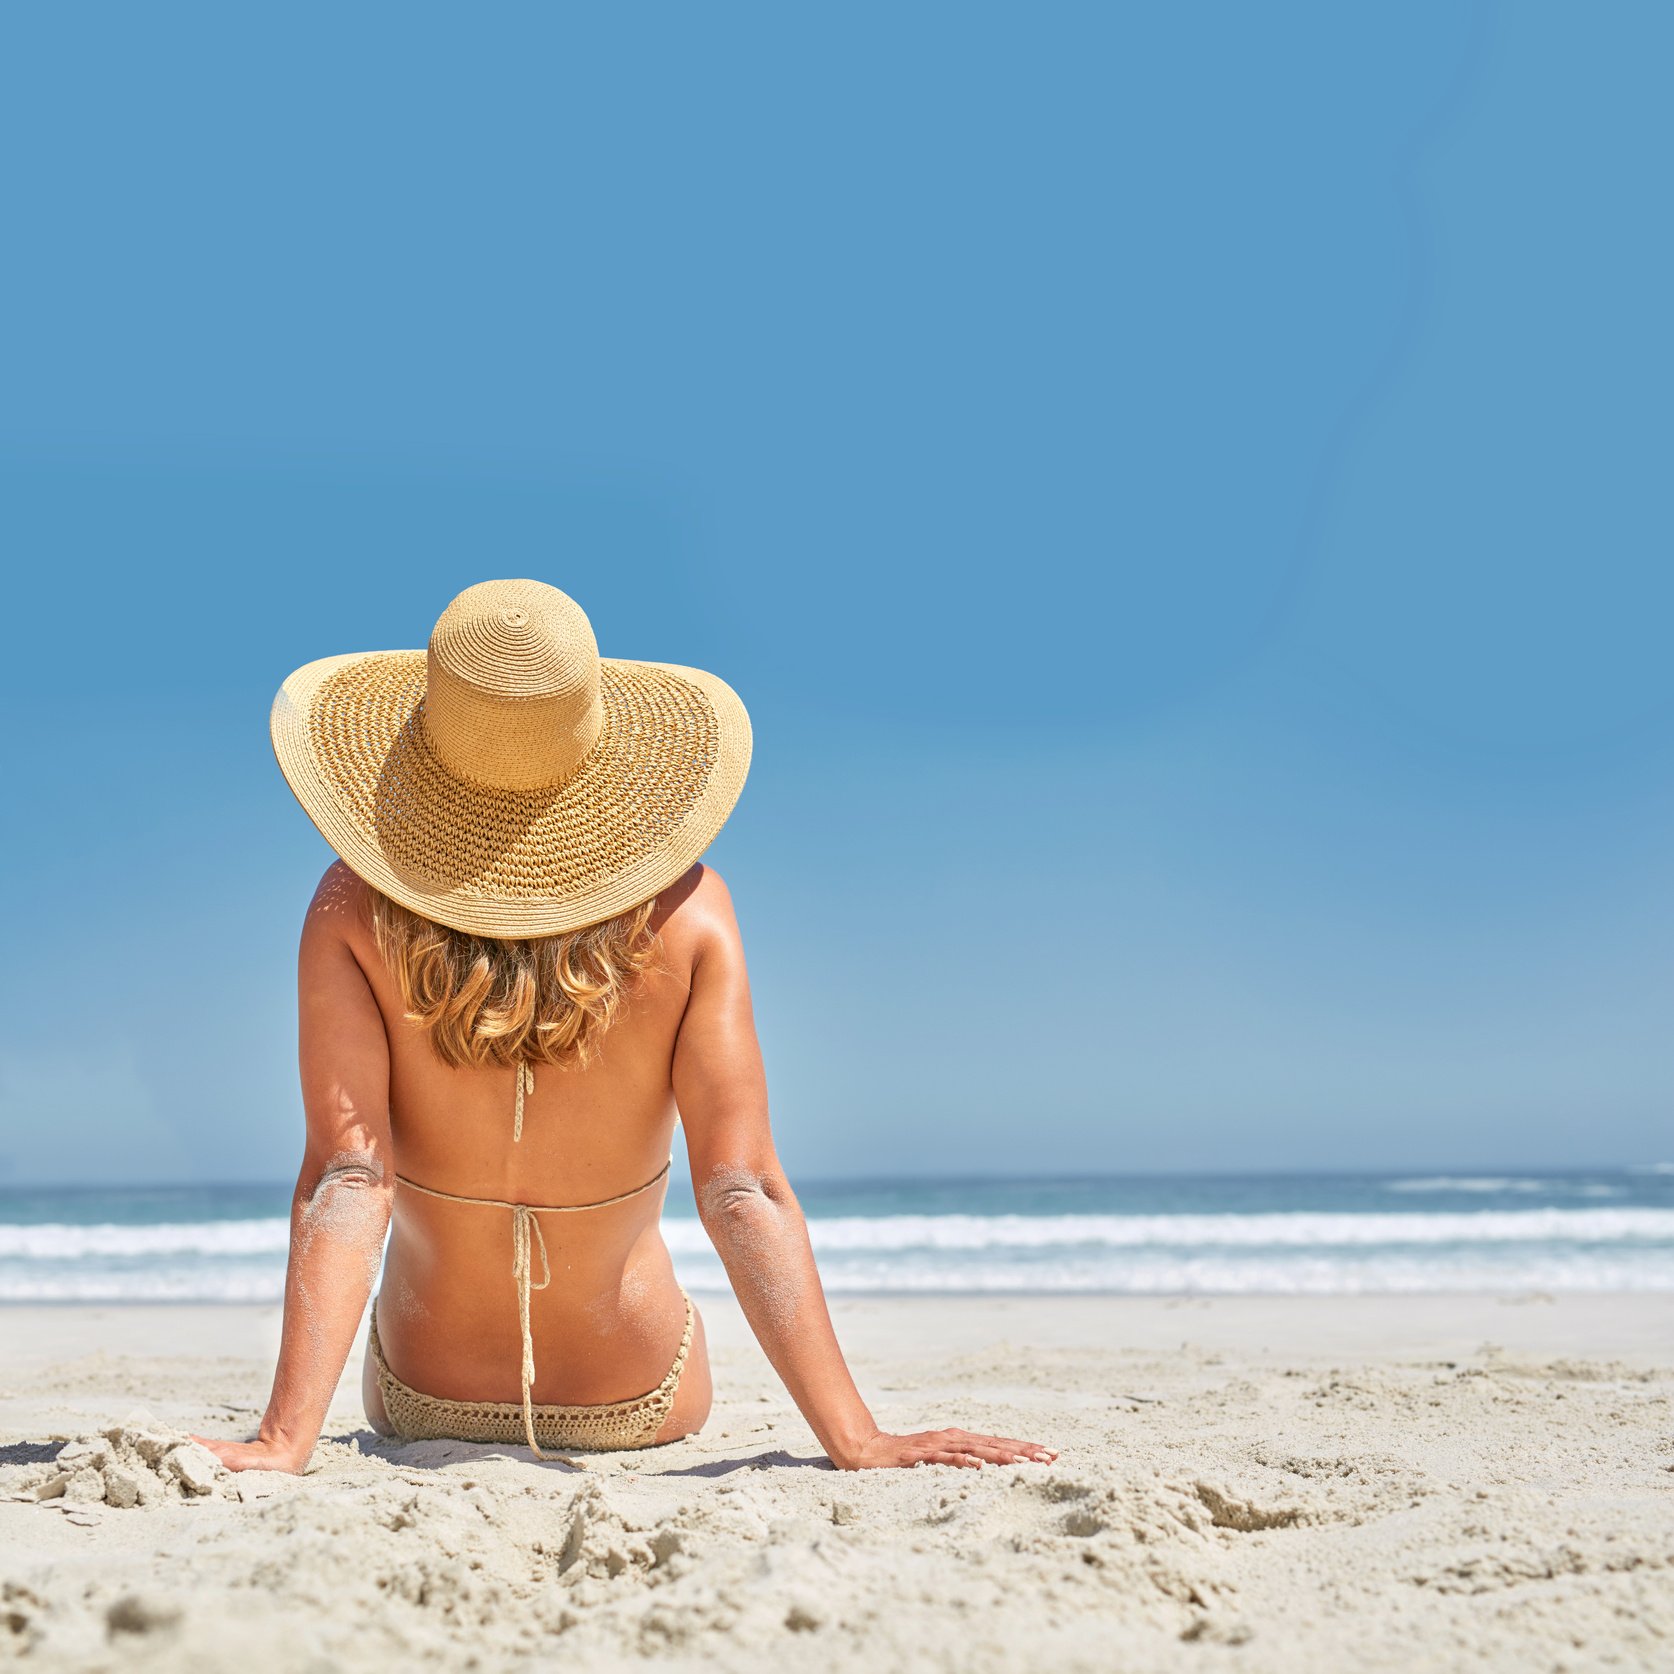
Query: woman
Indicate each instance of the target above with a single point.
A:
(513, 982)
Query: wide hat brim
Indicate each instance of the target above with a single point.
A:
(644, 803)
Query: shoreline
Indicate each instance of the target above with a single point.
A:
(1518, 1296)
(1021, 1293)
(1584, 1320)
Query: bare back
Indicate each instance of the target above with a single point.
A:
(607, 1326)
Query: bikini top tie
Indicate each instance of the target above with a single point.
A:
(527, 1239)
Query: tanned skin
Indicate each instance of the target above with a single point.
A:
(377, 1099)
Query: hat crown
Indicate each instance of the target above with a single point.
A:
(512, 696)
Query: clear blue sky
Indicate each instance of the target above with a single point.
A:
(1184, 493)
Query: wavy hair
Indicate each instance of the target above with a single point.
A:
(484, 1000)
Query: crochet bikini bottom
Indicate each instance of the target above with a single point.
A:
(415, 1416)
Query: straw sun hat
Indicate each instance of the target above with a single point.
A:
(511, 781)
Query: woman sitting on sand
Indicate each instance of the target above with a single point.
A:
(511, 984)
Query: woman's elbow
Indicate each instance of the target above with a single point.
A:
(733, 1197)
(357, 1178)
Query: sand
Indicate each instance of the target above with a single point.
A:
(1270, 1484)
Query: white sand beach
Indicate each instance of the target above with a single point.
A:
(1261, 1484)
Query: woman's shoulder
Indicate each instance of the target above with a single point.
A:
(696, 909)
(339, 902)
(340, 911)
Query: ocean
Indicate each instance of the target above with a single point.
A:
(1314, 1234)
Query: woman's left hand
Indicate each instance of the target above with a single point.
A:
(882, 1450)
(257, 1455)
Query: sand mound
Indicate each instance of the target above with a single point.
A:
(133, 1464)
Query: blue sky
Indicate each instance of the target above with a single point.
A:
(1183, 492)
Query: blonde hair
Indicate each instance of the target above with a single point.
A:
(484, 1000)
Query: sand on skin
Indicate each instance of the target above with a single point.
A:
(1274, 1483)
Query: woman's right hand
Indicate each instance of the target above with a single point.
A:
(941, 1447)
(258, 1455)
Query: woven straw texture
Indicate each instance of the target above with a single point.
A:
(509, 781)
(416, 1416)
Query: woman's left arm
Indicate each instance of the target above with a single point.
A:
(341, 1208)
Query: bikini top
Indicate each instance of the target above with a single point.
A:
(527, 1238)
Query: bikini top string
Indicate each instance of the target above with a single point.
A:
(525, 1227)
(525, 1084)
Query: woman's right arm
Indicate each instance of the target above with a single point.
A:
(341, 1206)
(756, 1224)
